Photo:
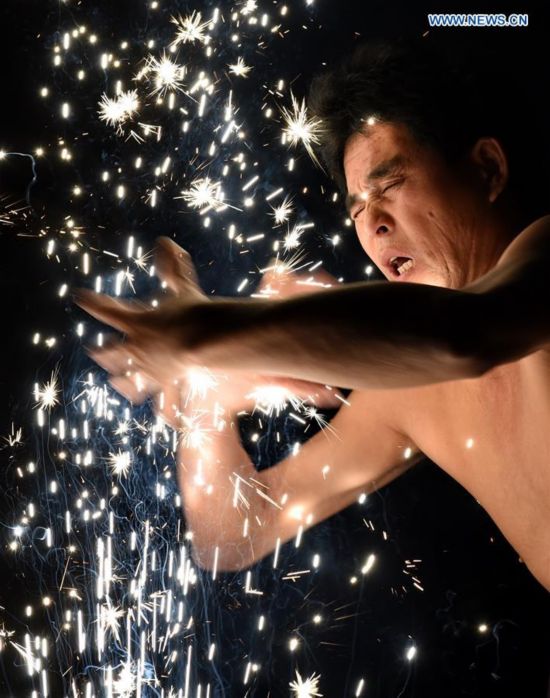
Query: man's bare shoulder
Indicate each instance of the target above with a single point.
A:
(533, 240)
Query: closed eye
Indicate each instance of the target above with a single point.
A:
(397, 183)
(377, 195)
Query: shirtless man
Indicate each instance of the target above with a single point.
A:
(451, 359)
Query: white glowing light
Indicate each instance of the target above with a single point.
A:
(200, 381)
(120, 463)
(305, 688)
(165, 73)
(190, 29)
(193, 434)
(47, 394)
(124, 686)
(110, 616)
(301, 127)
(282, 213)
(240, 69)
(274, 398)
(203, 194)
(116, 111)
(292, 238)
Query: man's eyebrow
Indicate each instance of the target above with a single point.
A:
(383, 169)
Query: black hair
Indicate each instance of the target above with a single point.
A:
(446, 98)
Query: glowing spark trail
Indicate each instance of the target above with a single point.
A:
(282, 213)
(47, 394)
(204, 194)
(190, 29)
(120, 463)
(165, 74)
(302, 128)
(116, 111)
(307, 688)
(240, 68)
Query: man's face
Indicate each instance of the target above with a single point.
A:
(411, 208)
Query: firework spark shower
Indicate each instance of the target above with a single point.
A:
(182, 120)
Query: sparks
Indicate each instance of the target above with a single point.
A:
(120, 463)
(282, 213)
(110, 617)
(193, 434)
(118, 110)
(248, 7)
(300, 127)
(47, 394)
(305, 688)
(203, 194)
(240, 69)
(166, 74)
(124, 686)
(272, 399)
(200, 381)
(190, 29)
(292, 238)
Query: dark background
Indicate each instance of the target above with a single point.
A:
(471, 575)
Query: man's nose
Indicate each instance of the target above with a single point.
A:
(378, 222)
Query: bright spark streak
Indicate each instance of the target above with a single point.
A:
(194, 435)
(47, 394)
(120, 463)
(274, 398)
(292, 238)
(116, 111)
(190, 29)
(124, 686)
(111, 616)
(300, 127)
(282, 213)
(200, 381)
(311, 412)
(305, 688)
(166, 74)
(248, 7)
(203, 194)
(240, 69)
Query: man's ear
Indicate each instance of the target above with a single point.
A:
(490, 160)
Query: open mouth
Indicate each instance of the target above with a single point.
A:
(401, 265)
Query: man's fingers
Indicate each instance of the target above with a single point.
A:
(319, 395)
(130, 387)
(175, 267)
(167, 405)
(118, 314)
(116, 357)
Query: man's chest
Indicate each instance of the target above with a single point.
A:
(491, 435)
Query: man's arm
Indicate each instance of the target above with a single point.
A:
(365, 335)
(395, 335)
(361, 452)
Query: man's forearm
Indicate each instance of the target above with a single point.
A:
(365, 335)
(218, 486)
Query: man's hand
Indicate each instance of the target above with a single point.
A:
(152, 352)
(151, 361)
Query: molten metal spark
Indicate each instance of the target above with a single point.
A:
(203, 194)
(301, 127)
(120, 109)
(190, 29)
(305, 688)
